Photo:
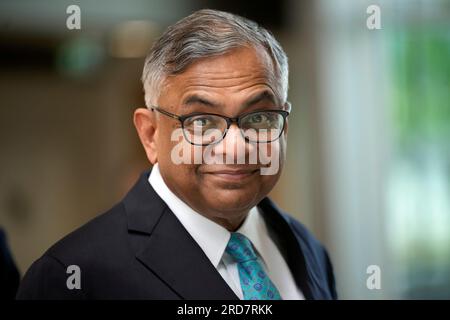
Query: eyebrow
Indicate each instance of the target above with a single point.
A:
(196, 99)
(265, 95)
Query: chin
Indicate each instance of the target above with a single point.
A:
(234, 200)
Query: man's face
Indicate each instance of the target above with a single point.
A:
(238, 82)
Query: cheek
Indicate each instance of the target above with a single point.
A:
(271, 157)
(173, 154)
(181, 153)
(282, 146)
(268, 181)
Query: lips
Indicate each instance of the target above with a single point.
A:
(233, 174)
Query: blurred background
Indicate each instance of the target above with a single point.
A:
(368, 167)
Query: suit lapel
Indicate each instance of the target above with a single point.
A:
(293, 251)
(168, 250)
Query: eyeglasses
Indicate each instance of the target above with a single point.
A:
(202, 129)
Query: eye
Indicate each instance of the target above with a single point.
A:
(258, 118)
(201, 122)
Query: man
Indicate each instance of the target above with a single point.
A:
(199, 225)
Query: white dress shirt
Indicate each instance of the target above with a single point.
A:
(213, 239)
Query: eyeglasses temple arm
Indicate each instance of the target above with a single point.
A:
(166, 113)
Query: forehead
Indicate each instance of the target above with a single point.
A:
(236, 62)
(238, 73)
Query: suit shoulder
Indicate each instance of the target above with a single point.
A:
(96, 236)
(95, 247)
(315, 250)
(309, 243)
(46, 279)
(301, 231)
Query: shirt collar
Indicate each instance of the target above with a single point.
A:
(210, 236)
(255, 229)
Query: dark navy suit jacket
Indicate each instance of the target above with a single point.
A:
(139, 250)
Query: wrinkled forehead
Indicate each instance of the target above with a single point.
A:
(236, 75)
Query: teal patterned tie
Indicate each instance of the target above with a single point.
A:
(255, 283)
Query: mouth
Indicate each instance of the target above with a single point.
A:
(232, 175)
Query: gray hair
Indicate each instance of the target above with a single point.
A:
(203, 34)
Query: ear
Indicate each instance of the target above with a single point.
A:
(144, 121)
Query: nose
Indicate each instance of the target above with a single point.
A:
(233, 146)
(234, 135)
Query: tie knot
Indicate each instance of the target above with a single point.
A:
(240, 248)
